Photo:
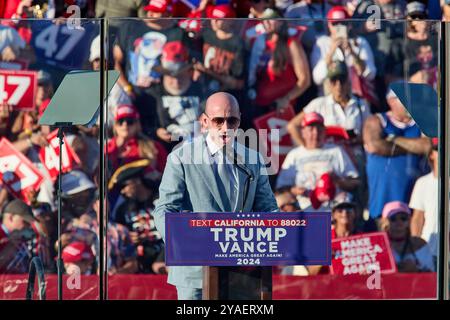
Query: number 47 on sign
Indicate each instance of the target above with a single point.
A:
(18, 88)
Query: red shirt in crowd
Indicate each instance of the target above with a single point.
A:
(272, 86)
(9, 12)
(129, 152)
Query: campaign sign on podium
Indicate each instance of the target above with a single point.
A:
(248, 239)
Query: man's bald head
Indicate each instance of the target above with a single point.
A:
(221, 106)
(222, 102)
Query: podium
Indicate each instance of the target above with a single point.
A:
(237, 283)
(237, 250)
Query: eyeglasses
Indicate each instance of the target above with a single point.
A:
(129, 121)
(232, 122)
(398, 217)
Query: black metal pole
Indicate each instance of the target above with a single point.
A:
(102, 271)
(442, 267)
(60, 262)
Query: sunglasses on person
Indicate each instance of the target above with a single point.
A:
(403, 217)
(232, 122)
(129, 121)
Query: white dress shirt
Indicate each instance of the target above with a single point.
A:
(350, 118)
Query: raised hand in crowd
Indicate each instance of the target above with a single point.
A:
(8, 54)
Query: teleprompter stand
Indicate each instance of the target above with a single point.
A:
(76, 102)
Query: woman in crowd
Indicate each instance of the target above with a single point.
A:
(278, 69)
(344, 224)
(129, 143)
(412, 254)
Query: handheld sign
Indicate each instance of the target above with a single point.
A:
(362, 254)
(248, 239)
(18, 88)
(18, 64)
(17, 174)
(61, 46)
(49, 156)
(282, 141)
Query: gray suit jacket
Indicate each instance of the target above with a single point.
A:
(189, 184)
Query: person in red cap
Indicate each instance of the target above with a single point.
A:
(178, 98)
(341, 45)
(78, 258)
(316, 171)
(129, 143)
(223, 61)
(411, 254)
(137, 49)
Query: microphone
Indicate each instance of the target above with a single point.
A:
(242, 167)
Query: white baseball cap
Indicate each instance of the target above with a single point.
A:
(95, 49)
(74, 182)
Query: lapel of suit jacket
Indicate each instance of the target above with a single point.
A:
(202, 162)
(242, 177)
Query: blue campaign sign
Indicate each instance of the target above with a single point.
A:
(234, 239)
(61, 45)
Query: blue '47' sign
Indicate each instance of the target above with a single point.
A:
(231, 239)
(61, 46)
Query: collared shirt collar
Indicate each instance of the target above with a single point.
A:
(352, 102)
(212, 146)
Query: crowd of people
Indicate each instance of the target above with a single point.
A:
(355, 148)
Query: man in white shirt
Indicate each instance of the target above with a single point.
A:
(339, 108)
(305, 165)
(340, 45)
(424, 202)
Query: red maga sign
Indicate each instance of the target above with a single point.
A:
(49, 156)
(17, 174)
(362, 254)
(18, 88)
(283, 141)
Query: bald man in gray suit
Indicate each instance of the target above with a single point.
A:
(197, 179)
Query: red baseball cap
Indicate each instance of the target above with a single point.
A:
(221, 11)
(126, 111)
(324, 187)
(338, 13)
(160, 6)
(312, 118)
(77, 251)
(174, 56)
